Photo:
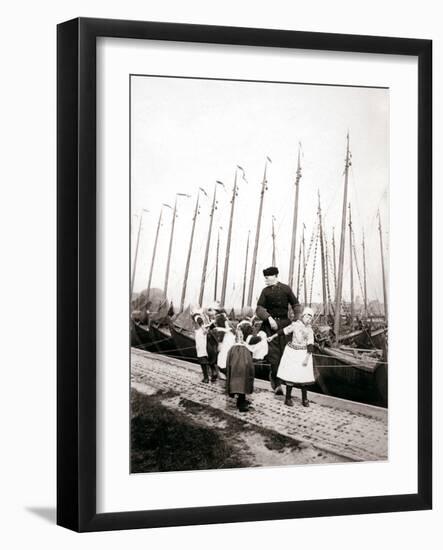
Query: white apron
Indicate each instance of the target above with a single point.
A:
(291, 368)
(224, 347)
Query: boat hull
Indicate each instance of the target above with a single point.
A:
(164, 342)
(152, 339)
(142, 337)
(185, 343)
(366, 383)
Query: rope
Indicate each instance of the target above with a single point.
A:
(313, 264)
(330, 267)
(356, 263)
(314, 232)
(264, 364)
(328, 290)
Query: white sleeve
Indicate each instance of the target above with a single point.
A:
(310, 336)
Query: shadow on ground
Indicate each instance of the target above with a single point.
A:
(48, 514)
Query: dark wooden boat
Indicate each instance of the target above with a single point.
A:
(153, 338)
(354, 374)
(184, 341)
(163, 340)
(142, 337)
(378, 338)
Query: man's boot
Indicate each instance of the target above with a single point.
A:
(275, 382)
(288, 400)
(271, 379)
(214, 372)
(304, 397)
(205, 374)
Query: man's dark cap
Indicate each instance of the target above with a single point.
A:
(270, 271)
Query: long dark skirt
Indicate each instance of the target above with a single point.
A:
(239, 370)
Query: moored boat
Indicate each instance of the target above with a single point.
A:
(353, 374)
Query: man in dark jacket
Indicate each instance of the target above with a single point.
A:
(272, 309)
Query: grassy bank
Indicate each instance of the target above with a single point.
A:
(168, 440)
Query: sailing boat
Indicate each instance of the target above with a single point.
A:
(182, 332)
(182, 326)
(146, 334)
(154, 335)
(352, 371)
(140, 337)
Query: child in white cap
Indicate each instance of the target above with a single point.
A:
(296, 367)
(201, 344)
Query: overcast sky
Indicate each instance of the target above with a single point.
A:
(188, 133)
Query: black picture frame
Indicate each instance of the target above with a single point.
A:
(76, 279)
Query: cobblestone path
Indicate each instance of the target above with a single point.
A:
(352, 435)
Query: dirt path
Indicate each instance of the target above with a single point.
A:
(318, 434)
(249, 445)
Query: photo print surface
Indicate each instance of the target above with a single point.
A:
(259, 273)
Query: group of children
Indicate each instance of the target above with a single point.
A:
(225, 351)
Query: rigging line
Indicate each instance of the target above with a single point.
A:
(330, 263)
(355, 201)
(373, 277)
(373, 360)
(333, 198)
(356, 263)
(313, 235)
(327, 269)
(373, 218)
(313, 264)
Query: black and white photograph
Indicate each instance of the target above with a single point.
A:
(259, 273)
(227, 219)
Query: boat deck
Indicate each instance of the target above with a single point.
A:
(353, 431)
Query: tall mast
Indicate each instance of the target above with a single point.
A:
(217, 254)
(257, 234)
(323, 265)
(188, 259)
(351, 264)
(341, 257)
(245, 271)
(327, 276)
(208, 242)
(334, 259)
(228, 242)
(154, 251)
(294, 222)
(273, 241)
(134, 265)
(171, 239)
(364, 276)
(385, 296)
